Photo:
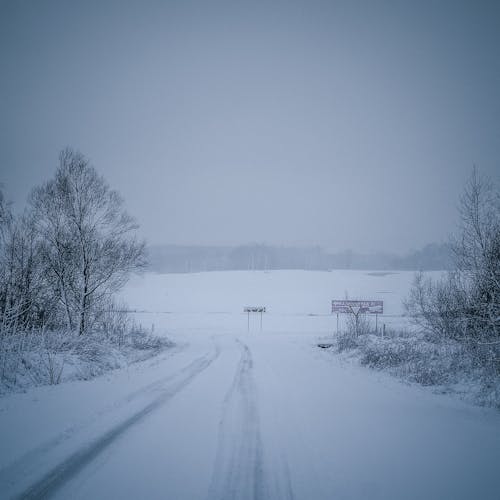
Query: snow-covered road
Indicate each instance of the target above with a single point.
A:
(246, 416)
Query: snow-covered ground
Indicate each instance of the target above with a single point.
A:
(231, 414)
(296, 301)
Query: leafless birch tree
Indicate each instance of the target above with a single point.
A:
(466, 304)
(87, 240)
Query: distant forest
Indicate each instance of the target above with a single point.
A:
(186, 259)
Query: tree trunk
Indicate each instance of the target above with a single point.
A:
(84, 303)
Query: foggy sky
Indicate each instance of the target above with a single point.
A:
(341, 124)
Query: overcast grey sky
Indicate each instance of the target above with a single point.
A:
(344, 124)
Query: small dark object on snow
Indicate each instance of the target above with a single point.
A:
(325, 346)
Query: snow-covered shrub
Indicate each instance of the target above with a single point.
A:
(144, 340)
(41, 357)
(346, 341)
(414, 358)
(489, 391)
(357, 325)
(385, 353)
(95, 356)
(36, 357)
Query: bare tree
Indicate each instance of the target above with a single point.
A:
(87, 240)
(5, 213)
(5, 226)
(23, 301)
(465, 305)
(477, 254)
(437, 306)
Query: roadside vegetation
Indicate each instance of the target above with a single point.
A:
(61, 263)
(455, 340)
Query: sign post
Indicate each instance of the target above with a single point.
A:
(249, 310)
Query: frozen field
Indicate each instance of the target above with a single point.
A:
(296, 301)
(231, 414)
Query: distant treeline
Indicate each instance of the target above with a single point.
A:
(185, 259)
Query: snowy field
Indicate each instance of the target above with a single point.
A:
(296, 301)
(232, 414)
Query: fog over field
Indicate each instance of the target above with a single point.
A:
(348, 126)
(250, 250)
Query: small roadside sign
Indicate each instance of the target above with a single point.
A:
(254, 309)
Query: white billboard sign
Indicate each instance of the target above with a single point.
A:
(358, 306)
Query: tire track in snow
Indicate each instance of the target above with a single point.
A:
(72, 465)
(31, 461)
(239, 472)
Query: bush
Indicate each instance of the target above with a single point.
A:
(346, 341)
(40, 357)
(412, 358)
(356, 327)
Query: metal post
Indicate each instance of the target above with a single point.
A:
(260, 320)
